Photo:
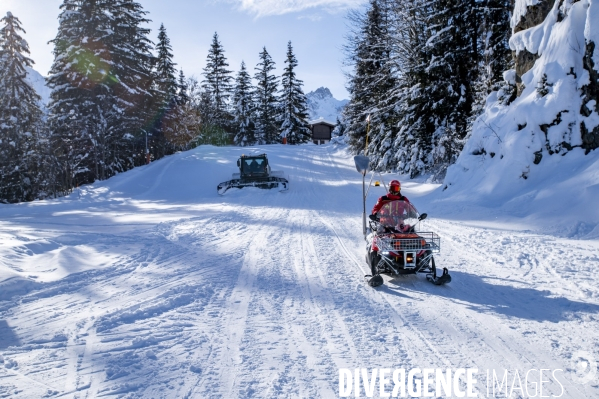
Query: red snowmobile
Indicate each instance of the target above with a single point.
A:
(396, 245)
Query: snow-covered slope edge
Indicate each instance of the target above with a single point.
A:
(528, 157)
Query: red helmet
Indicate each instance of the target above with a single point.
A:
(394, 187)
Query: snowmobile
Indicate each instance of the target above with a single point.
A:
(254, 171)
(395, 245)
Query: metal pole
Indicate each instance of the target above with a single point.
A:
(362, 166)
(147, 151)
(367, 131)
(364, 204)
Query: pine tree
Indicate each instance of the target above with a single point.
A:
(166, 88)
(340, 127)
(412, 145)
(266, 100)
(101, 88)
(243, 109)
(81, 97)
(20, 118)
(293, 102)
(496, 55)
(166, 79)
(185, 121)
(370, 52)
(360, 103)
(384, 117)
(454, 50)
(217, 84)
(182, 95)
(190, 95)
(132, 63)
(421, 72)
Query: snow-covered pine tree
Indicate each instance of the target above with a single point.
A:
(415, 70)
(101, 81)
(208, 113)
(132, 63)
(243, 109)
(411, 147)
(20, 118)
(266, 100)
(293, 104)
(190, 93)
(449, 94)
(384, 117)
(496, 55)
(218, 85)
(82, 106)
(340, 127)
(356, 110)
(182, 95)
(166, 88)
(166, 79)
(371, 83)
(186, 121)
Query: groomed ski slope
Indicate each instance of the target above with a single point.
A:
(150, 285)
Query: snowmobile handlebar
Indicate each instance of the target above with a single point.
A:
(375, 217)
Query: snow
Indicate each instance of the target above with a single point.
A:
(520, 9)
(321, 120)
(151, 285)
(535, 39)
(506, 166)
(591, 29)
(38, 82)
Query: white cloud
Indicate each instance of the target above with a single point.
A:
(278, 7)
(311, 17)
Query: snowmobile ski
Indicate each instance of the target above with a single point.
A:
(374, 281)
(440, 280)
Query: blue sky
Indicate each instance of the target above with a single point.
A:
(316, 29)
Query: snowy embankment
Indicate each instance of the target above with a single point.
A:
(522, 160)
(151, 285)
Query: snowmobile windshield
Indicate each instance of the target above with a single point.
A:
(398, 215)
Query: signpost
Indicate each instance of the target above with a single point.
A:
(363, 166)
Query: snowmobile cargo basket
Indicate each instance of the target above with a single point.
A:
(413, 242)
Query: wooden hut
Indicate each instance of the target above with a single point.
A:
(321, 130)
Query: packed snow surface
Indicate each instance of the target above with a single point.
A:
(151, 285)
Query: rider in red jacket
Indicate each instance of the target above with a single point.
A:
(393, 195)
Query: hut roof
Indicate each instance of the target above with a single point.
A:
(322, 121)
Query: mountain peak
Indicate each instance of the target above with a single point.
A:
(322, 104)
(321, 93)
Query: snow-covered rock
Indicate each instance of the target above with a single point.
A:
(321, 104)
(537, 152)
